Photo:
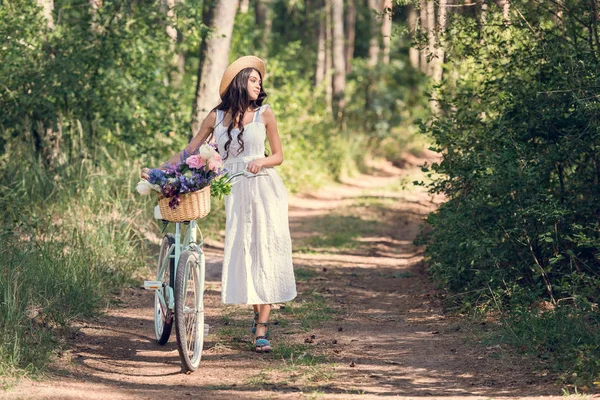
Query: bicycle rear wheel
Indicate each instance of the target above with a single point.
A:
(163, 317)
(189, 308)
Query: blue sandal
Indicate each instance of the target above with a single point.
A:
(254, 326)
(262, 344)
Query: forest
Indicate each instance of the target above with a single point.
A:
(507, 91)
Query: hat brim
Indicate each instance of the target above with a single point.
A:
(237, 66)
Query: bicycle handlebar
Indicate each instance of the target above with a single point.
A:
(240, 173)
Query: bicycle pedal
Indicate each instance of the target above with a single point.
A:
(152, 285)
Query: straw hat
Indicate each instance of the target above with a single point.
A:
(238, 65)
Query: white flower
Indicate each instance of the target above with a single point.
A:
(144, 187)
(207, 151)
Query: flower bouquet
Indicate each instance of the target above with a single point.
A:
(184, 189)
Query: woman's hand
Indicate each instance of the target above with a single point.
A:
(255, 166)
(144, 173)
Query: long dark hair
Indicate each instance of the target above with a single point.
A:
(237, 101)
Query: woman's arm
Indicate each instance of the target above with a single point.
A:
(276, 158)
(205, 129)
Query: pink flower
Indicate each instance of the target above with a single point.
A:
(195, 161)
(215, 162)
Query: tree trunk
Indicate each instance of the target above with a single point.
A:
(505, 6)
(439, 51)
(339, 68)
(431, 32)
(482, 8)
(423, 20)
(328, 57)
(47, 8)
(95, 5)
(558, 16)
(219, 16)
(167, 6)
(264, 19)
(321, 51)
(350, 33)
(375, 32)
(48, 131)
(413, 53)
(244, 6)
(386, 30)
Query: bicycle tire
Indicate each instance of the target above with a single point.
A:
(189, 308)
(163, 320)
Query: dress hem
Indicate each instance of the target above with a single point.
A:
(266, 302)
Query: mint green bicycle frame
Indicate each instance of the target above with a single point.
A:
(167, 300)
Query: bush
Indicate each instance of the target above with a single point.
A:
(521, 167)
(520, 136)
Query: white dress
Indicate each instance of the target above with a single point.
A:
(257, 265)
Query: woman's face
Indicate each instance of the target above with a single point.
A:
(254, 83)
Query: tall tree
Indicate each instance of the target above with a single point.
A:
(244, 6)
(505, 6)
(264, 19)
(375, 32)
(321, 50)
(386, 30)
(49, 131)
(431, 32)
(328, 57)
(424, 29)
(47, 8)
(168, 7)
(219, 16)
(339, 68)
(482, 10)
(413, 53)
(439, 49)
(350, 32)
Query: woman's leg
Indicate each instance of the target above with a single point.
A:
(262, 329)
(264, 310)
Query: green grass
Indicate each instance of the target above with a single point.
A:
(566, 340)
(262, 378)
(309, 309)
(304, 274)
(70, 240)
(297, 354)
(340, 231)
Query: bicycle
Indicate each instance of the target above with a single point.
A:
(179, 291)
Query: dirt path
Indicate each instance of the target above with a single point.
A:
(367, 321)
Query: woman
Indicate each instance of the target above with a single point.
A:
(257, 265)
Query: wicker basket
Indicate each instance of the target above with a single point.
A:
(194, 205)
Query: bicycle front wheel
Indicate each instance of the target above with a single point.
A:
(189, 308)
(163, 317)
